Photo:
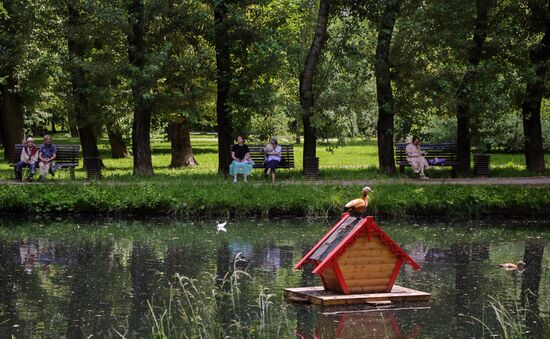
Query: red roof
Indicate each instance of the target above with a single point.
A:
(342, 235)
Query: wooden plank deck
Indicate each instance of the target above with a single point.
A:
(318, 296)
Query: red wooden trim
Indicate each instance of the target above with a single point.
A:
(341, 325)
(395, 248)
(336, 251)
(340, 278)
(395, 325)
(306, 257)
(394, 274)
(316, 262)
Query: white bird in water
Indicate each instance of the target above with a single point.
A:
(221, 226)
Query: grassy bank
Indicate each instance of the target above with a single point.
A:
(206, 199)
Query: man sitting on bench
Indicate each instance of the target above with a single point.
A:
(47, 155)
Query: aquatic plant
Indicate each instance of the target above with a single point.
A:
(511, 321)
(219, 307)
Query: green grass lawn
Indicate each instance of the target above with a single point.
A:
(357, 160)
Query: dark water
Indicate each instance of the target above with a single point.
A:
(79, 280)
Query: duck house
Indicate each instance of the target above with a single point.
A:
(357, 256)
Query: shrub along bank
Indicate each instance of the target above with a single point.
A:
(207, 200)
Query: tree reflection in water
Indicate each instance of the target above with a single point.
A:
(143, 266)
(534, 250)
(91, 291)
(10, 275)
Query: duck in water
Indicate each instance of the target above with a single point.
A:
(520, 266)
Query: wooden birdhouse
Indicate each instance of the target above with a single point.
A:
(357, 256)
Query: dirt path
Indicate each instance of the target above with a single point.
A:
(530, 181)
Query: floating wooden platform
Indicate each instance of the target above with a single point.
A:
(318, 296)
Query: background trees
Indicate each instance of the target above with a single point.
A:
(470, 71)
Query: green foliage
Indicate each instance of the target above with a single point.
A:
(189, 198)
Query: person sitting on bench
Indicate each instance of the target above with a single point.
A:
(273, 152)
(241, 164)
(415, 157)
(29, 157)
(47, 154)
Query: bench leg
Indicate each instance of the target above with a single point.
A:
(71, 170)
(453, 172)
(401, 169)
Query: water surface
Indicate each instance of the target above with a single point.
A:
(81, 279)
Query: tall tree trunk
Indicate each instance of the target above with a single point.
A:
(118, 146)
(52, 121)
(297, 132)
(73, 128)
(84, 120)
(180, 140)
(532, 131)
(11, 115)
(463, 113)
(384, 94)
(141, 128)
(307, 77)
(223, 79)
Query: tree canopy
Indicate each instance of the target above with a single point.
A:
(472, 72)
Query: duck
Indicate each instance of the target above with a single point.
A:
(359, 205)
(512, 267)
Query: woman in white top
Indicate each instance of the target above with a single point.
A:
(415, 157)
(273, 153)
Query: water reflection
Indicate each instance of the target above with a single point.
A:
(356, 322)
(533, 255)
(97, 279)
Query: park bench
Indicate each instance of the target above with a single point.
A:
(447, 151)
(66, 157)
(258, 156)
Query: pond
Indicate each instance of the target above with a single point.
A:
(108, 278)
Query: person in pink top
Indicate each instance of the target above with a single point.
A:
(416, 158)
(29, 157)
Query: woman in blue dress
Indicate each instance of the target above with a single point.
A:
(241, 164)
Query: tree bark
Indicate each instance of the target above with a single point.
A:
(180, 140)
(11, 115)
(73, 128)
(118, 145)
(223, 82)
(84, 120)
(535, 89)
(463, 112)
(307, 78)
(11, 112)
(52, 121)
(141, 127)
(384, 94)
